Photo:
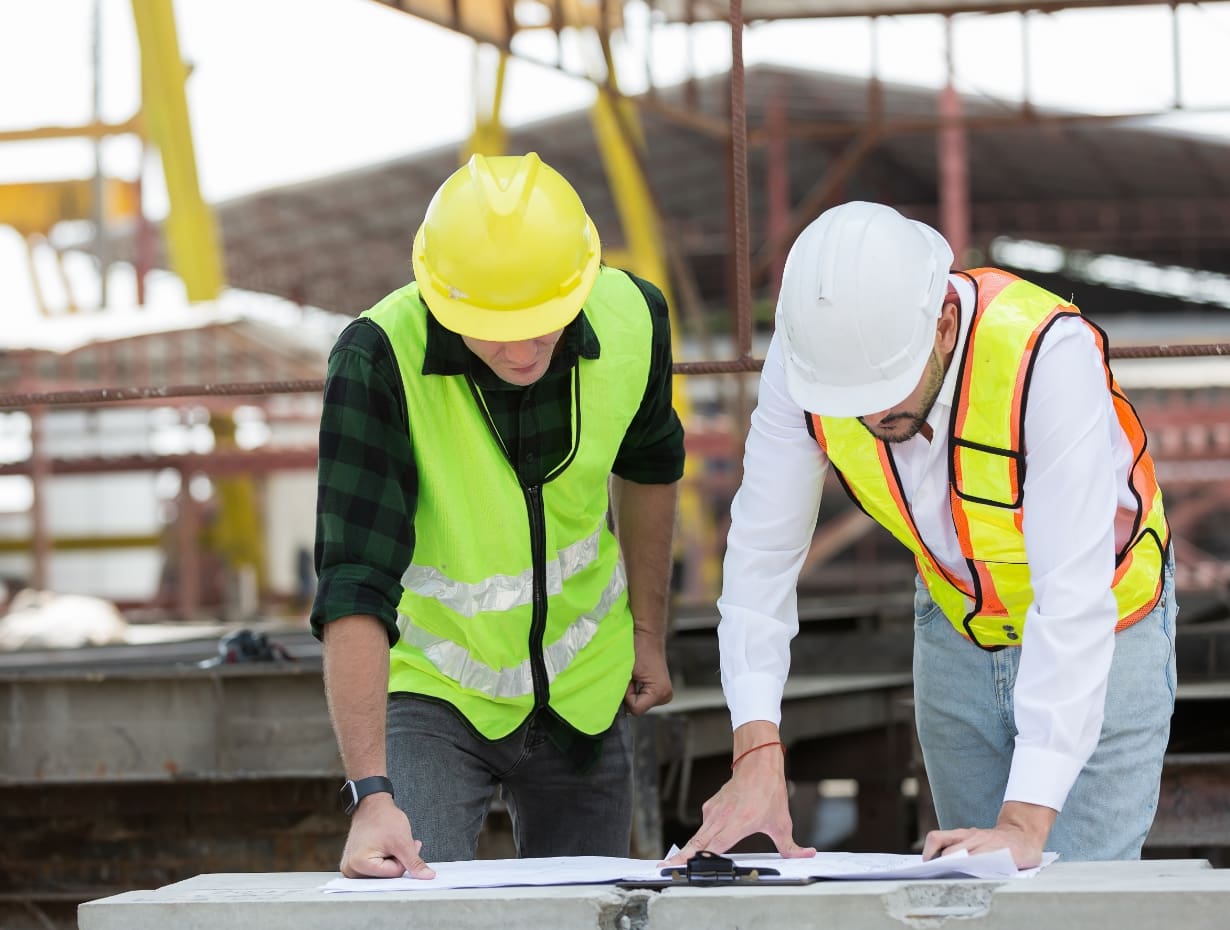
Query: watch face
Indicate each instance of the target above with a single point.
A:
(355, 791)
(350, 797)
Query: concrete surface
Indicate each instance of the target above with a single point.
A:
(1067, 896)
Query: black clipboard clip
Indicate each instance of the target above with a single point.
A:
(708, 869)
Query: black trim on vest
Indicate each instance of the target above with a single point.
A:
(952, 472)
(1131, 539)
(576, 430)
(538, 622)
(486, 415)
(1019, 457)
(1164, 549)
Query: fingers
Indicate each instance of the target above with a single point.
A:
(711, 837)
(375, 863)
(381, 845)
(374, 866)
(783, 840)
(414, 864)
(692, 847)
(689, 850)
(641, 696)
(370, 866)
(1025, 852)
(787, 848)
(637, 700)
(792, 850)
(944, 842)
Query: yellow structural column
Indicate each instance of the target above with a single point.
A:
(236, 533)
(190, 230)
(489, 137)
(616, 130)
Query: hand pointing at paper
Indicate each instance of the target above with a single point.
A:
(1022, 829)
(753, 801)
(380, 844)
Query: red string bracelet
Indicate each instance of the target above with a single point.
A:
(739, 757)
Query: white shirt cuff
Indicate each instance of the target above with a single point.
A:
(754, 696)
(1042, 776)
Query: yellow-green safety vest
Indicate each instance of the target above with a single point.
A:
(987, 468)
(517, 597)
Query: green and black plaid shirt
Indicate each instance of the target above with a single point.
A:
(367, 486)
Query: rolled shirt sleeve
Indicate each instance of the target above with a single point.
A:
(367, 484)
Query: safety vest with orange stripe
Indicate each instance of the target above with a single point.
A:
(987, 467)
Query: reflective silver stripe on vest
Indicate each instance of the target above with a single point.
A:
(499, 592)
(452, 660)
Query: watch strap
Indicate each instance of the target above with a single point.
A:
(355, 791)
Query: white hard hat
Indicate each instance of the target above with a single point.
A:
(861, 291)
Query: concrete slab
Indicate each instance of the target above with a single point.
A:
(292, 901)
(1067, 896)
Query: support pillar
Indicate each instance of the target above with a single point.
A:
(953, 160)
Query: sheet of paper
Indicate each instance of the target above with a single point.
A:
(496, 873)
(598, 870)
(888, 866)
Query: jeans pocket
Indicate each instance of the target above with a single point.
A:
(925, 608)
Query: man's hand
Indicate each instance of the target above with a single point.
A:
(380, 844)
(753, 801)
(651, 679)
(1022, 829)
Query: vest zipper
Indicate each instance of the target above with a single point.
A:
(538, 539)
(538, 621)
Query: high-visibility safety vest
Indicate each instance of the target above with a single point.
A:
(987, 469)
(516, 597)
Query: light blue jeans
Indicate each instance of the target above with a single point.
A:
(964, 714)
(445, 777)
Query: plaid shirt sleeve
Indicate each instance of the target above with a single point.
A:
(652, 450)
(367, 483)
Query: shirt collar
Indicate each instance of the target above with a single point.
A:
(446, 353)
(965, 291)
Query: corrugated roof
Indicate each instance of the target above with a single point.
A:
(343, 242)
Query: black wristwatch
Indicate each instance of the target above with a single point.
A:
(355, 791)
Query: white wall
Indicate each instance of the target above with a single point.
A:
(290, 522)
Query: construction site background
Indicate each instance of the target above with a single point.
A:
(161, 712)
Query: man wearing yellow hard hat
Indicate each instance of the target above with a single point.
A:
(483, 627)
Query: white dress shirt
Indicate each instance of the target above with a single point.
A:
(1077, 465)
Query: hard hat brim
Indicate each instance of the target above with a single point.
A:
(463, 317)
(832, 400)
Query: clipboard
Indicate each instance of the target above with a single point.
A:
(708, 870)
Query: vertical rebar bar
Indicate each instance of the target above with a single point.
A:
(738, 183)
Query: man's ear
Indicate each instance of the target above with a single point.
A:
(947, 327)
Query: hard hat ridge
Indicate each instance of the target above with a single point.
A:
(508, 197)
(861, 290)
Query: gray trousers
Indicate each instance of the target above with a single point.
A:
(445, 777)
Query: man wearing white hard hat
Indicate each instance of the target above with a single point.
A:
(975, 416)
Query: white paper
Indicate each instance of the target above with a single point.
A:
(498, 873)
(888, 866)
(604, 870)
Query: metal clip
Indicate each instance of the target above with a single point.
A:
(708, 868)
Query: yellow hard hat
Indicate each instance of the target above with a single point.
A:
(506, 250)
